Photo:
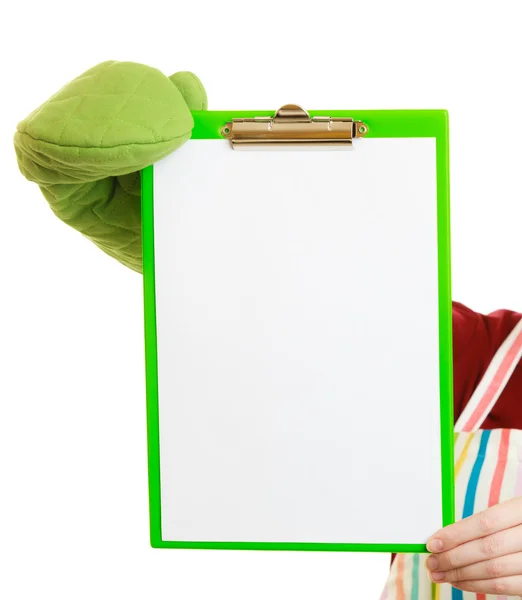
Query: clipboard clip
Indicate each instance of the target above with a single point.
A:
(292, 126)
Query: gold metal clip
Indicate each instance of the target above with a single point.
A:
(293, 126)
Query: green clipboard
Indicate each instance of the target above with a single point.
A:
(212, 125)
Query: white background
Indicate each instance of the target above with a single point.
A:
(73, 473)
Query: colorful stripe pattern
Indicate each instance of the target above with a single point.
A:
(498, 477)
(488, 470)
(415, 578)
(471, 492)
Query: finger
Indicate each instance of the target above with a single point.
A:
(503, 543)
(505, 566)
(499, 517)
(504, 586)
(191, 89)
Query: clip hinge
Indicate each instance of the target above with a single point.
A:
(293, 126)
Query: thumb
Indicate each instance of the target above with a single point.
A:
(191, 89)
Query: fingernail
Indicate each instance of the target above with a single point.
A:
(432, 563)
(437, 576)
(435, 545)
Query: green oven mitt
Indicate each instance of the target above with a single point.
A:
(85, 147)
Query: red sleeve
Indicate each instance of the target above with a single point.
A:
(476, 338)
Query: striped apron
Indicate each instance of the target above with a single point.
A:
(488, 470)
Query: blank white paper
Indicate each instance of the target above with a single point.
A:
(298, 343)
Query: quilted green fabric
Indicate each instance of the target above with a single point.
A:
(85, 147)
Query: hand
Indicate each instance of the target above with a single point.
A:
(86, 145)
(482, 553)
